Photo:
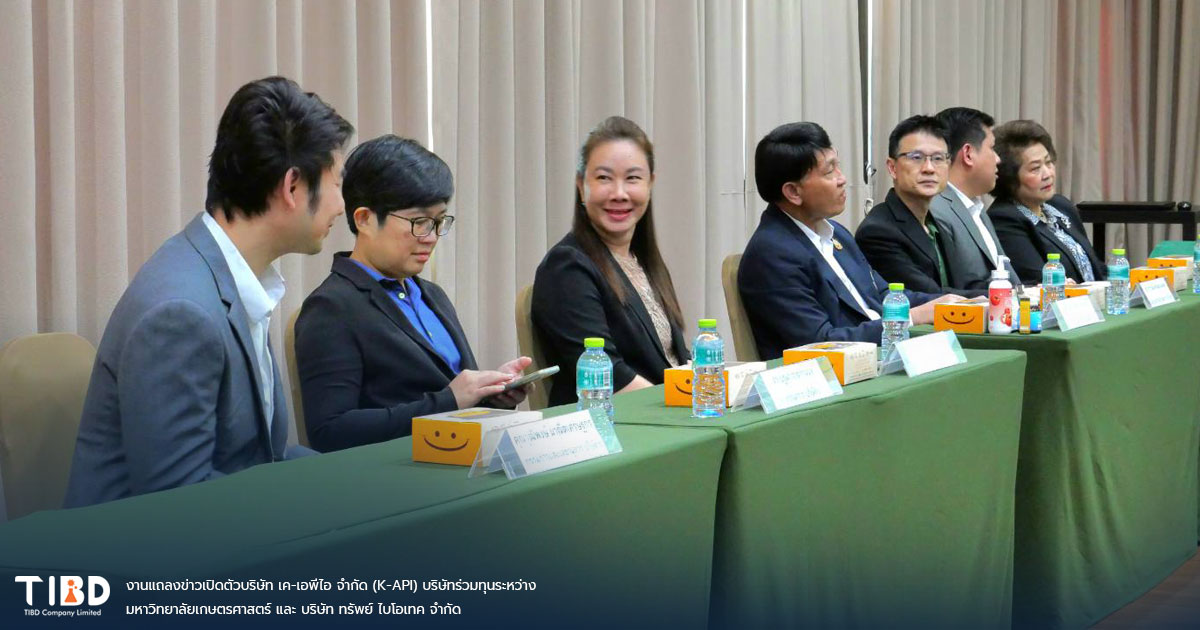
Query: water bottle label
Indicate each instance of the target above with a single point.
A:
(1196, 252)
(1118, 272)
(709, 355)
(895, 311)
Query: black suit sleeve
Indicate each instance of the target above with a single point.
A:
(330, 362)
(892, 261)
(569, 304)
(778, 293)
(1017, 237)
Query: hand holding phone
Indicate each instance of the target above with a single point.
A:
(531, 377)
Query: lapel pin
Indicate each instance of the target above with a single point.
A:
(837, 245)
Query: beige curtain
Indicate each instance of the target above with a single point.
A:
(804, 65)
(1114, 81)
(517, 85)
(110, 111)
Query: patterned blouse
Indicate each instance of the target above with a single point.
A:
(1058, 224)
(653, 303)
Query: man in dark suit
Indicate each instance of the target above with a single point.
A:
(376, 345)
(802, 277)
(898, 237)
(185, 387)
(972, 248)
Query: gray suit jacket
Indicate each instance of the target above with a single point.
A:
(968, 262)
(174, 396)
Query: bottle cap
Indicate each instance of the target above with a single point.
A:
(708, 323)
(593, 342)
(1052, 256)
(999, 274)
(1119, 252)
(896, 286)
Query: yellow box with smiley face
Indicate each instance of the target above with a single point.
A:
(852, 361)
(1178, 260)
(454, 437)
(968, 316)
(1177, 277)
(677, 382)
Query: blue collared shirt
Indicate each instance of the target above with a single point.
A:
(407, 296)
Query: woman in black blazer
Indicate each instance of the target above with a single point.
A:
(1031, 220)
(376, 345)
(606, 278)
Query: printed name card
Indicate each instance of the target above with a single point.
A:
(1155, 293)
(1075, 312)
(542, 445)
(791, 385)
(925, 354)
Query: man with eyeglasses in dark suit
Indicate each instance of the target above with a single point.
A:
(376, 345)
(899, 237)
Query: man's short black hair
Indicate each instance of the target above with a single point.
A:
(914, 124)
(785, 155)
(964, 126)
(269, 127)
(391, 173)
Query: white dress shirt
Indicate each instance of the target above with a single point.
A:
(976, 208)
(823, 241)
(259, 296)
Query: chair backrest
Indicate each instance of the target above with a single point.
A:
(743, 335)
(539, 396)
(43, 382)
(289, 349)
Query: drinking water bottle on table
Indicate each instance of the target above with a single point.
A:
(708, 372)
(895, 318)
(1117, 299)
(1054, 282)
(593, 377)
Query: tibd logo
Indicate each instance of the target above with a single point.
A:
(70, 589)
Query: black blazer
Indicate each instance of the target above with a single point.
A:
(1027, 244)
(365, 371)
(898, 247)
(793, 296)
(572, 301)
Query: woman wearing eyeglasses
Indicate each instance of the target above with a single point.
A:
(606, 278)
(377, 345)
(1030, 219)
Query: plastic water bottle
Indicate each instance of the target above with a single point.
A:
(1196, 268)
(1117, 300)
(895, 318)
(593, 377)
(1054, 282)
(708, 372)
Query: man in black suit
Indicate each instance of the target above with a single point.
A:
(802, 277)
(899, 237)
(377, 345)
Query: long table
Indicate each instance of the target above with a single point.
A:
(888, 506)
(1107, 479)
(621, 541)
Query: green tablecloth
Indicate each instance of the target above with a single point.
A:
(891, 505)
(623, 540)
(1107, 481)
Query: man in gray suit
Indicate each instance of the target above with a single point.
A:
(185, 387)
(972, 249)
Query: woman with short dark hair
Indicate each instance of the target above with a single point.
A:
(606, 278)
(1031, 220)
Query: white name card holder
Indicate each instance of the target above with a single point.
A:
(789, 386)
(924, 354)
(1075, 312)
(535, 447)
(1154, 293)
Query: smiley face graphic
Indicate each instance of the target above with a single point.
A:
(686, 392)
(960, 316)
(451, 448)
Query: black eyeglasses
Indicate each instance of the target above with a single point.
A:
(424, 226)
